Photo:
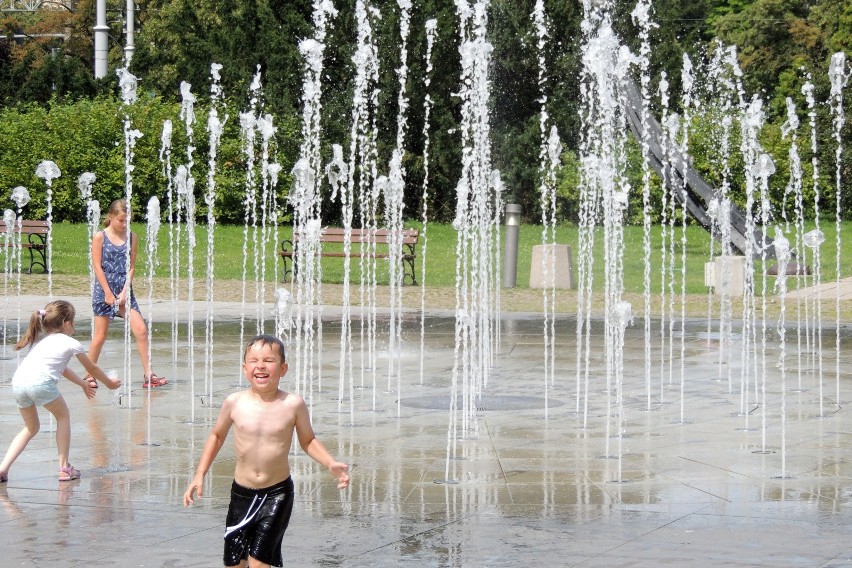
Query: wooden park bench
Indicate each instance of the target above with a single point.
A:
(33, 237)
(358, 236)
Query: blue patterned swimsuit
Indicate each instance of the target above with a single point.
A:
(114, 263)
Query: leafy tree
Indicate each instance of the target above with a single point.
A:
(779, 43)
(180, 39)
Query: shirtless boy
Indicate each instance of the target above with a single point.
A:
(264, 418)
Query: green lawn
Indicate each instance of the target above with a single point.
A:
(70, 244)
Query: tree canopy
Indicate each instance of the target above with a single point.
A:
(45, 58)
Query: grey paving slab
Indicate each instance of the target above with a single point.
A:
(690, 472)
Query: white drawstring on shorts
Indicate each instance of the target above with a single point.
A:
(249, 515)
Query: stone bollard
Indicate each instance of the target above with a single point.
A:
(726, 272)
(559, 263)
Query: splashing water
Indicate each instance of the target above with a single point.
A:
(431, 27)
(362, 169)
(21, 197)
(337, 172)
(394, 206)
(393, 187)
(215, 128)
(474, 223)
(794, 186)
(687, 98)
(93, 213)
(283, 313)
(641, 18)
(549, 158)
(813, 240)
(186, 199)
(783, 256)
(667, 238)
(752, 122)
(248, 134)
(49, 171)
(726, 304)
(153, 230)
(127, 83)
(839, 77)
(307, 204)
(9, 243)
(604, 193)
(173, 216)
(764, 168)
(261, 241)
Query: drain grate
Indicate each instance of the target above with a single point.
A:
(487, 403)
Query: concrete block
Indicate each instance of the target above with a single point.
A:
(728, 274)
(557, 261)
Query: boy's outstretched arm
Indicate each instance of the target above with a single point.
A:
(314, 448)
(208, 454)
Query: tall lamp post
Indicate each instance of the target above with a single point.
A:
(101, 30)
(130, 46)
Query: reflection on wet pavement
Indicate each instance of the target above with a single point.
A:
(528, 490)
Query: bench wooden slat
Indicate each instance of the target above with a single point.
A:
(27, 227)
(337, 235)
(353, 254)
(380, 236)
(364, 238)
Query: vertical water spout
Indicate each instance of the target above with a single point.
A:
(550, 149)
(186, 192)
(474, 224)
(783, 256)
(49, 171)
(641, 18)
(215, 128)
(839, 76)
(431, 28)
(816, 239)
(84, 184)
(21, 197)
(153, 230)
(248, 136)
(128, 84)
(11, 244)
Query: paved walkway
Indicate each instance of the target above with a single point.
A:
(828, 290)
(542, 477)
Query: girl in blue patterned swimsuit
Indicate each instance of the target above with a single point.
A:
(112, 292)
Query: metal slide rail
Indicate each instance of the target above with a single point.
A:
(696, 193)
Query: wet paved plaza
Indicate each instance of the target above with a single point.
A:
(691, 481)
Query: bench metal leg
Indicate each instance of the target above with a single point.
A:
(35, 262)
(289, 265)
(408, 273)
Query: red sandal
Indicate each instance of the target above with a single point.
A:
(154, 381)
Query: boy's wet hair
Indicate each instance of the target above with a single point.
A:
(266, 339)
